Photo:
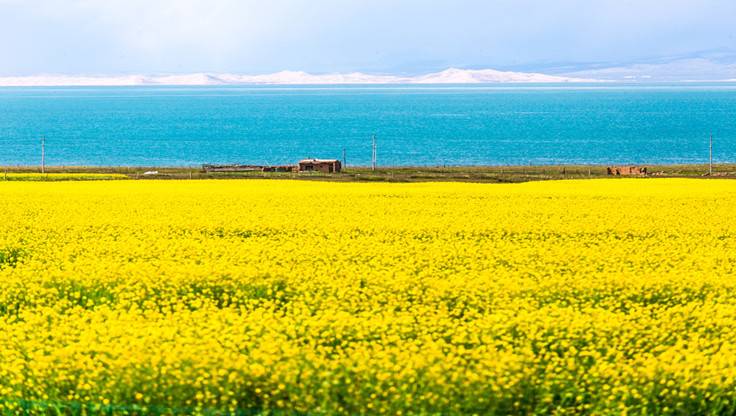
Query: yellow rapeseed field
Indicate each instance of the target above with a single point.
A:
(210, 297)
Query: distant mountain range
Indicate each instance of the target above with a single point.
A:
(449, 76)
(713, 67)
(696, 69)
(703, 66)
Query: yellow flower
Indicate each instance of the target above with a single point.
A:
(598, 297)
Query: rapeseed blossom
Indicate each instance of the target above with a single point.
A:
(569, 297)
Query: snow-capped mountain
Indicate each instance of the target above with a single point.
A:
(470, 76)
(705, 67)
(449, 76)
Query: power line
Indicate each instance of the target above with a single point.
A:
(373, 155)
(710, 150)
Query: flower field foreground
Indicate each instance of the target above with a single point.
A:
(216, 297)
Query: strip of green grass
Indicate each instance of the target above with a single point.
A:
(28, 176)
(493, 174)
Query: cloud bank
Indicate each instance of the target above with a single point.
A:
(337, 36)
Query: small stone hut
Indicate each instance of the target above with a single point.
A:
(627, 171)
(320, 165)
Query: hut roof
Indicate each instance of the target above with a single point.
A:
(318, 161)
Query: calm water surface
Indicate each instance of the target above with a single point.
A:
(414, 125)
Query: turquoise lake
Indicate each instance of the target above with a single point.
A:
(414, 125)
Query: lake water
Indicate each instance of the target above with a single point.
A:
(414, 125)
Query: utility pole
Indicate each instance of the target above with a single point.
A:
(710, 151)
(43, 154)
(373, 156)
(344, 161)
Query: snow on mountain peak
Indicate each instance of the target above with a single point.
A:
(448, 76)
(474, 76)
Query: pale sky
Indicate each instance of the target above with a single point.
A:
(375, 36)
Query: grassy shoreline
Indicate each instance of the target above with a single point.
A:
(492, 174)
